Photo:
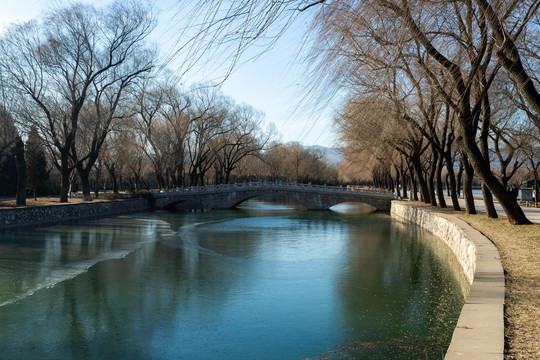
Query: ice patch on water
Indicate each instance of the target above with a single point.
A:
(189, 239)
(67, 273)
(43, 264)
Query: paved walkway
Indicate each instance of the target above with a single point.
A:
(479, 333)
(532, 213)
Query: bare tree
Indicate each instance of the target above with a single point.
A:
(8, 133)
(509, 22)
(508, 148)
(295, 163)
(151, 128)
(451, 45)
(175, 114)
(361, 128)
(244, 139)
(457, 42)
(12, 145)
(54, 63)
(124, 160)
(109, 103)
(207, 116)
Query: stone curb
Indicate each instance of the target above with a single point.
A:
(479, 333)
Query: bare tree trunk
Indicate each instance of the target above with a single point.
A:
(454, 187)
(467, 186)
(414, 189)
(85, 184)
(459, 178)
(484, 148)
(488, 202)
(514, 213)
(404, 182)
(116, 188)
(431, 176)
(64, 175)
(193, 178)
(438, 181)
(21, 172)
(417, 166)
(96, 184)
(160, 180)
(84, 176)
(111, 169)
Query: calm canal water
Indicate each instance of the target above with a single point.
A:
(264, 282)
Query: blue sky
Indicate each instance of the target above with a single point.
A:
(272, 83)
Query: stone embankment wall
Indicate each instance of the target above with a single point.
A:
(479, 333)
(38, 215)
(443, 228)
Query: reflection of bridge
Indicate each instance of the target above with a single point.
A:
(313, 197)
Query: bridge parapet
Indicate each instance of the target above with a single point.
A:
(263, 185)
(313, 197)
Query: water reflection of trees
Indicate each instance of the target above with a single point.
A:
(31, 259)
(157, 299)
(402, 290)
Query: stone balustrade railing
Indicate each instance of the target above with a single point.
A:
(278, 185)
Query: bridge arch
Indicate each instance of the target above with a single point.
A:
(266, 193)
(354, 207)
(188, 204)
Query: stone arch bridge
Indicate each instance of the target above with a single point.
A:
(228, 196)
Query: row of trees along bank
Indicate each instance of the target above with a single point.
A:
(425, 83)
(433, 84)
(86, 83)
(124, 164)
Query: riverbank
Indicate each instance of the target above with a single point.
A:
(479, 333)
(519, 249)
(49, 211)
(40, 201)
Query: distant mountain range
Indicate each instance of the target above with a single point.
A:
(332, 155)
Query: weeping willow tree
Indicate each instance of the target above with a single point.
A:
(459, 49)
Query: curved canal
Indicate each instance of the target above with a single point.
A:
(267, 281)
